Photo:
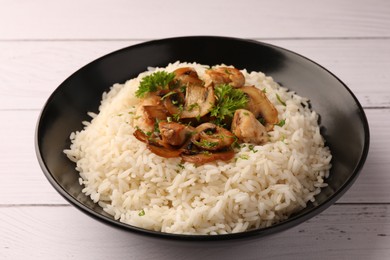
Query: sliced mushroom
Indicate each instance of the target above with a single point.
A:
(260, 106)
(208, 157)
(225, 75)
(164, 151)
(198, 101)
(173, 133)
(151, 139)
(211, 137)
(146, 113)
(156, 146)
(156, 112)
(141, 136)
(247, 128)
(174, 103)
(187, 76)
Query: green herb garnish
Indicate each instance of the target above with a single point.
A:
(280, 100)
(193, 106)
(252, 148)
(170, 93)
(176, 117)
(156, 81)
(141, 213)
(206, 144)
(261, 120)
(235, 143)
(156, 126)
(244, 156)
(228, 101)
(281, 122)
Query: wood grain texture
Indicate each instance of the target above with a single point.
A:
(30, 71)
(342, 232)
(43, 42)
(123, 19)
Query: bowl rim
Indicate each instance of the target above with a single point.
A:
(275, 228)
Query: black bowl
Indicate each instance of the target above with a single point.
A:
(343, 122)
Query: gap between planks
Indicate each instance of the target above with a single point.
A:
(152, 39)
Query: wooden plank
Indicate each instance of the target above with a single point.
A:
(340, 232)
(22, 179)
(24, 183)
(145, 19)
(42, 42)
(30, 71)
(362, 65)
(373, 182)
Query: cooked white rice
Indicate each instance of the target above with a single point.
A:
(258, 188)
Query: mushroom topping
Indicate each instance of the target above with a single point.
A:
(156, 112)
(187, 76)
(172, 101)
(198, 101)
(225, 75)
(156, 146)
(164, 151)
(173, 133)
(208, 157)
(150, 109)
(247, 128)
(260, 106)
(211, 137)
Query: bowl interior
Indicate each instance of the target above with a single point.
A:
(342, 119)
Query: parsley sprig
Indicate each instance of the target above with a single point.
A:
(153, 82)
(228, 100)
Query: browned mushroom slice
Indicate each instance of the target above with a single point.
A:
(247, 128)
(187, 76)
(156, 146)
(141, 136)
(198, 101)
(156, 112)
(174, 102)
(260, 106)
(211, 137)
(225, 75)
(146, 113)
(173, 133)
(151, 139)
(164, 151)
(208, 157)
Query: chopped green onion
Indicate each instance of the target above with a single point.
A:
(281, 122)
(280, 100)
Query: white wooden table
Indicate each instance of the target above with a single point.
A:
(42, 42)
